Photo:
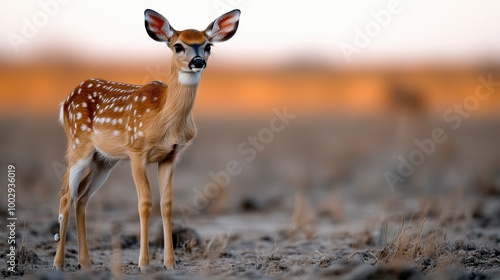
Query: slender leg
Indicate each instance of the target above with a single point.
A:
(81, 229)
(165, 172)
(144, 199)
(64, 205)
(71, 182)
(98, 175)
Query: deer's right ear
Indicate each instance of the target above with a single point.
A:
(158, 26)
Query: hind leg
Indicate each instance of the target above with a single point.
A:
(99, 172)
(71, 182)
(60, 237)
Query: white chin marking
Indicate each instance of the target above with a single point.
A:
(189, 78)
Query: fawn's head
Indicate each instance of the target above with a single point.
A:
(191, 47)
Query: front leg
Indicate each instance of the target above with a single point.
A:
(144, 198)
(165, 172)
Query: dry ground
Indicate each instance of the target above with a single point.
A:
(313, 204)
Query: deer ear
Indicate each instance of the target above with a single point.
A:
(224, 27)
(157, 26)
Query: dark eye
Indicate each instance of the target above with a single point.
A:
(178, 48)
(208, 48)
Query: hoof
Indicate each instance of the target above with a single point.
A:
(56, 237)
(139, 269)
(168, 268)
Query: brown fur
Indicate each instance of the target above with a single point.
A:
(192, 36)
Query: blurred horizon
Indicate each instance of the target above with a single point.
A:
(312, 90)
(320, 58)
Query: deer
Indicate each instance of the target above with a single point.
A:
(106, 122)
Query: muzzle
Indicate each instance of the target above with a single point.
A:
(197, 62)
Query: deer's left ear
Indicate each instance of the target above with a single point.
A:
(157, 26)
(224, 27)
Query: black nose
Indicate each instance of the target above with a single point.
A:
(197, 62)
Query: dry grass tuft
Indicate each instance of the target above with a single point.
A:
(25, 255)
(216, 246)
(412, 246)
(408, 244)
(274, 249)
(303, 218)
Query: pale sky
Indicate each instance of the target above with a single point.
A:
(269, 30)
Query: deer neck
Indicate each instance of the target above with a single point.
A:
(180, 96)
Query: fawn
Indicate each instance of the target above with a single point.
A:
(106, 122)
